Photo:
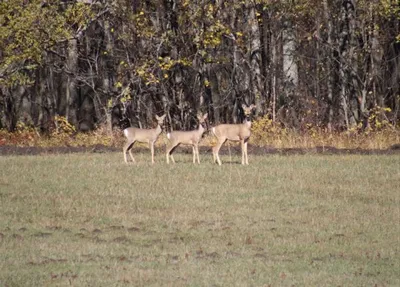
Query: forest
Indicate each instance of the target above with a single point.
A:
(329, 64)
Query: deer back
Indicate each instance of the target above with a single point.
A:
(233, 132)
(142, 135)
(186, 137)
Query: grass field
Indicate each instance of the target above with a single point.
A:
(299, 220)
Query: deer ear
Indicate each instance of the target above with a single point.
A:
(160, 118)
(253, 107)
(244, 106)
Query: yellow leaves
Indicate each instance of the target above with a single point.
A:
(210, 9)
(28, 29)
(144, 27)
(146, 74)
(149, 71)
(206, 83)
(141, 73)
(109, 103)
(265, 131)
(212, 36)
(123, 64)
(63, 125)
(262, 126)
(378, 120)
(212, 41)
(79, 14)
(167, 63)
(185, 3)
(388, 8)
(125, 99)
(126, 95)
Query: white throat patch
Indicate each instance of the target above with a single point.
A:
(126, 132)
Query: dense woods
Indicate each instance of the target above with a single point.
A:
(331, 64)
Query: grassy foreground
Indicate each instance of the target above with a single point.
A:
(305, 220)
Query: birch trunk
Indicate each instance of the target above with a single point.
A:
(328, 63)
(71, 87)
(290, 69)
(255, 59)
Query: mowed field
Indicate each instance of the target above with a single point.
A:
(301, 220)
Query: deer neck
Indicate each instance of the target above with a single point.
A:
(158, 129)
(201, 129)
(247, 122)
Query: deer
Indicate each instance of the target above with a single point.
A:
(149, 136)
(187, 138)
(234, 132)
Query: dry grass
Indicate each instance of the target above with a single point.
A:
(90, 220)
(264, 133)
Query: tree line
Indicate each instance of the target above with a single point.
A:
(327, 63)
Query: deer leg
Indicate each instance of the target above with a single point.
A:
(128, 147)
(151, 144)
(167, 155)
(194, 154)
(245, 153)
(198, 156)
(243, 148)
(216, 151)
(213, 152)
(131, 155)
(124, 151)
(170, 150)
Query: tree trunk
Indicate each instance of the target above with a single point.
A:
(255, 58)
(216, 97)
(328, 64)
(266, 56)
(108, 74)
(290, 70)
(71, 87)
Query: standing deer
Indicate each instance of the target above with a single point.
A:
(149, 136)
(188, 138)
(234, 132)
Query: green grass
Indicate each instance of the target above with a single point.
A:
(305, 220)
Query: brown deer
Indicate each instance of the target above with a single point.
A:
(187, 138)
(149, 136)
(234, 132)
